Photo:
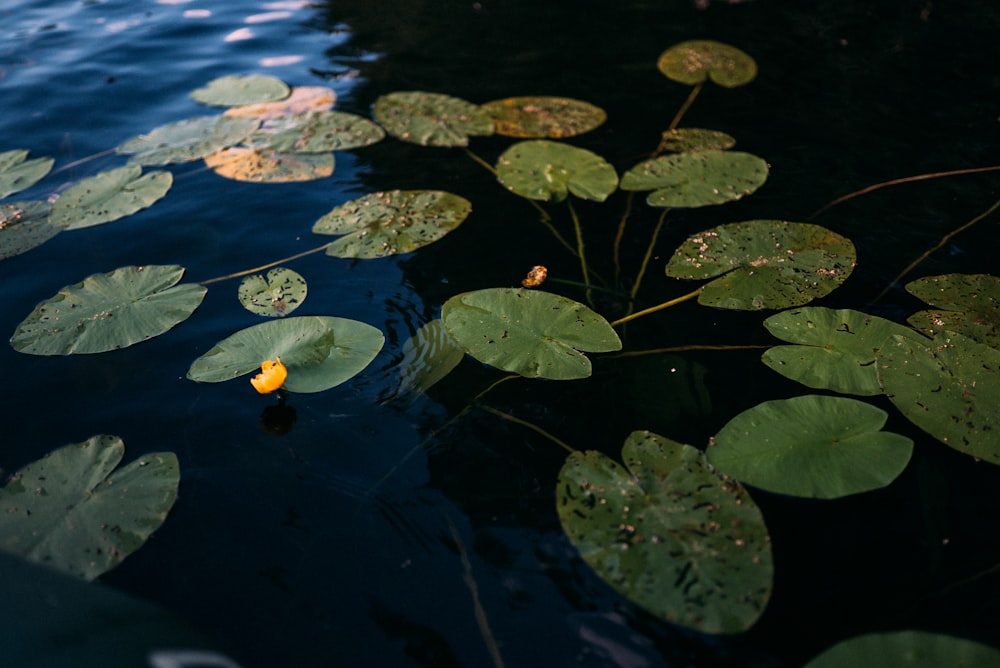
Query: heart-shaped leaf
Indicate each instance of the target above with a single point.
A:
(694, 61)
(109, 196)
(254, 165)
(276, 295)
(17, 173)
(700, 178)
(23, 226)
(316, 132)
(431, 119)
(542, 116)
(549, 171)
(235, 89)
(190, 139)
(967, 303)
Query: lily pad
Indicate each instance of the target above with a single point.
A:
(837, 348)
(543, 116)
(24, 225)
(235, 90)
(254, 165)
(949, 387)
(431, 119)
(906, 649)
(695, 61)
(187, 140)
(428, 356)
(109, 196)
(814, 446)
(301, 100)
(968, 304)
(684, 140)
(764, 264)
(69, 512)
(316, 132)
(529, 332)
(549, 171)
(669, 533)
(109, 311)
(319, 352)
(392, 222)
(17, 173)
(276, 295)
(700, 178)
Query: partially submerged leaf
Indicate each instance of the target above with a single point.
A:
(906, 649)
(24, 225)
(17, 173)
(109, 196)
(276, 295)
(431, 119)
(549, 171)
(316, 132)
(428, 356)
(302, 99)
(968, 304)
(254, 165)
(695, 61)
(700, 178)
(543, 116)
(684, 140)
(187, 140)
(669, 533)
(232, 90)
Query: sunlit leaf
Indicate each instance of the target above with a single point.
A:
(17, 173)
(549, 171)
(431, 119)
(255, 165)
(109, 311)
(683, 140)
(907, 649)
(949, 387)
(319, 352)
(188, 140)
(543, 116)
(813, 446)
(69, 512)
(24, 225)
(391, 223)
(695, 61)
(764, 264)
(277, 295)
(109, 196)
(301, 100)
(316, 132)
(428, 356)
(700, 178)
(235, 90)
(967, 303)
(837, 348)
(669, 533)
(529, 332)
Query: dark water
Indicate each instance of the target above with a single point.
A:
(341, 543)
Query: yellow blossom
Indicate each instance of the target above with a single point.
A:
(272, 376)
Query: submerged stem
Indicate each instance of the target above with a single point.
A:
(649, 253)
(533, 427)
(620, 234)
(247, 272)
(658, 307)
(579, 250)
(682, 349)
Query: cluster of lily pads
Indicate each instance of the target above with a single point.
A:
(671, 526)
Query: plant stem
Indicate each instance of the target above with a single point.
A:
(658, 307)
(469, 152)
(480, 611)
(533, 427)
(620, 234)
(247, 272)
(580, 250)
(681, 349)
(649, 253)
(677, 118)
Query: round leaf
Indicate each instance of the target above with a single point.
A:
(542, 116)
(254, 165)
(65, 511)
(696, 179)
(837, 350)
(277, 295)
(393, 222)
(906, 649)
(17, 173)
(813, 446)
(23, 226)
(109, 311)
(968, 304)
(188, 140)
(764, 264)
(235, 90)
(301, 100)
(682, 140)
(949, 387)
(529, 332)
(549, 171)
(109, 196)
(319, 352)
(316, 132)
(670, 534)
(695, 61)
(431, 119)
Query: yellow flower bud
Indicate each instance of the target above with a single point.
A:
(272, 376)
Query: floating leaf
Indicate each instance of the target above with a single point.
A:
(68, 512)
(277, 295)
(392, 222)
(837, 350)
(696, 179)
(255, 165)
(431, 119)
(319, 352)
(529, 332)
(301, 100)
(109, 196)
(188, 140)
(968, 304)
(813, 446)
(17, 173)
(235, 90)
(543, 116)
(695, 61)
(316, 132)
(23, 226)
(428, 356)
(109, 311)
(549, 171)
(669, 533)
(949, 387)
(906, 649)
(682, 140)
(764, 264)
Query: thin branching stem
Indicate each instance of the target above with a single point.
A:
(524, 423)
(649, 253)
(658, 307)
(247, 272)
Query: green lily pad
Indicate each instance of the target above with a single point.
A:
(700, 178)
(109, 311)
(529, 332)
(431, 119)
(69, 512)
(17, 173)
(549, 171)
(837, 348)
(543, 116)
(392, 222)
(968, 304)
(813, 446)
(190, 139)
(764, 264)
(686, 140)
(319, 352)
(949, 387)
(23, 226)
(695, 61)
(669, 533)
(428, 356)
(906, 649)
(109, 196)
(233, 90)
(276, 295)
(316, 132)
(256, 165)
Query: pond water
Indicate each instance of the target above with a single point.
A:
(353, 539)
